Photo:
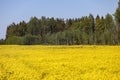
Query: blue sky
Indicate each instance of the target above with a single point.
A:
(18, 10)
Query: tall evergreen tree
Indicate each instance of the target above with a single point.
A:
(117, 18)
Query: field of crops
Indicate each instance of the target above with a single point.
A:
(59, 62)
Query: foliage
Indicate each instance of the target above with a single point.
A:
(57, 31)
(117, 18)
(31, 39)
(15, 40)
(2, 41)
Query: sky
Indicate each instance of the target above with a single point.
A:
(19, 10)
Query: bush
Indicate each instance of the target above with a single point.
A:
(15, 40)
(31, 39)
(2, 42)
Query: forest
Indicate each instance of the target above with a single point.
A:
(87, 30)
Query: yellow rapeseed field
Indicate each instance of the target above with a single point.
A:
(59, 62)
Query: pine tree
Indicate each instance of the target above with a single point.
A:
(117, 18)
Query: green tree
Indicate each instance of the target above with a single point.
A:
(99, 29)
(11, 30)
(117, 19)
(21, 28)
(15, 40)
(2, 41)
(33, 26)
(92, 29)
(110, 30)
(31, 39)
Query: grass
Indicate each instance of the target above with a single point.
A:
(59, 62)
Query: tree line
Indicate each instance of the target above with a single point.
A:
(86, 30)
